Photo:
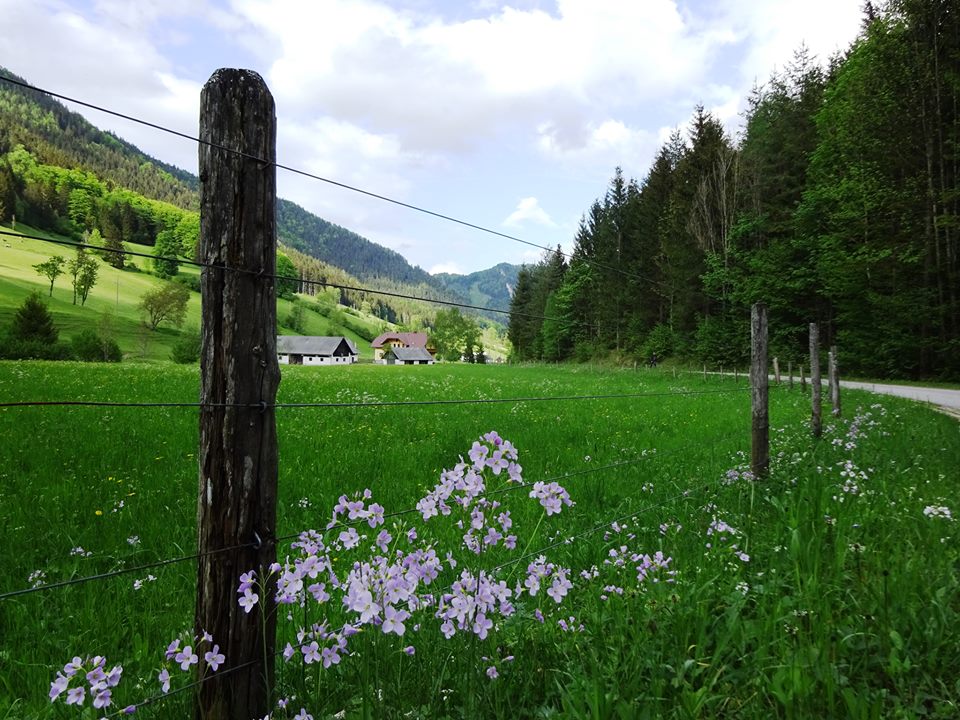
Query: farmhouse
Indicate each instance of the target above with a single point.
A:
(388, 341)
(407, 356)
(315, 350)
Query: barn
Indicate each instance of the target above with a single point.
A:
(315, 350)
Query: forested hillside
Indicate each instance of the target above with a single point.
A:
(837, 204)
(492, 287)
(61, 174)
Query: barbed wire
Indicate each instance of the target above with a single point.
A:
(379, 403)
(123, 571)
(329, 181)
(304, 281)
(155, 699)
(514, 486)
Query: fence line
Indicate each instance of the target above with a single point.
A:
(713, 441)
(379, 403)
(266, 163)
(156, 699)
(303, 281)
(115, 573)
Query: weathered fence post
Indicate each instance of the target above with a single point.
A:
(834, 371)
(803, 380)
(759, 392)
(790, 373)
(776, 370)
(816, 426)
(239, 377)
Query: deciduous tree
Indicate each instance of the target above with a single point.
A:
(167, 303)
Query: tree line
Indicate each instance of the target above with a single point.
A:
(837, 204)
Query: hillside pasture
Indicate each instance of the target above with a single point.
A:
(113, 304)
(828, 589)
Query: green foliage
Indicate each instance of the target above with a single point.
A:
(114, 254)
(186, 349)
(286, 268)
(454, 336)
(51, 269)
(296, 318)
(33, 322)
(165, 250)
(661, 342)
(90, 347)
(722, 341)
(167, 303)
(83, 271)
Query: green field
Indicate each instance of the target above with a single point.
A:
(847, 606)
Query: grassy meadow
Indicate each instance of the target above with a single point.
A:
(829, 589)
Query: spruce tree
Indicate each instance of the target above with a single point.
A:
(33, 322)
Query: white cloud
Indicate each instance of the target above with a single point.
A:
(529, 210)
(448, 267)
(443, 86)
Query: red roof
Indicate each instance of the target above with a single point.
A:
(409, 339)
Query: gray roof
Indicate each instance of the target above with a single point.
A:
(312, 345)
(408, 354)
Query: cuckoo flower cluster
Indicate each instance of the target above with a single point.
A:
(625, 570)
(182, 655)
(360, 575)
(720, 533)
(86, 676)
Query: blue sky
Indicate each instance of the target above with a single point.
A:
(511, 115)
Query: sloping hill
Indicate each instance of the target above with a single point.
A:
(492, 287)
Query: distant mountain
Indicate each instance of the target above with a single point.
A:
(490, 288)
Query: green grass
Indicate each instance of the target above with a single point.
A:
(847, 607)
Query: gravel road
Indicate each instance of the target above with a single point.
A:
(948, 400)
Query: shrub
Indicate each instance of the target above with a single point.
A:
(90, 347)
(187, 348)
(661, 341)
(16, 349)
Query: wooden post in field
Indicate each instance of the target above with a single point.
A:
(816, 425)
(239, 377)
(759, 392)
(834, 381)
(790, 373)
(721, 373)
(704, 372)
(776, 370)
(803, 380)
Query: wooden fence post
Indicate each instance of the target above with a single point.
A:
(704, 372)
(816, 426)
(803, 380)
(776, 370)
(834, 370)
(790, 372)
(759, 392)
(239, 378)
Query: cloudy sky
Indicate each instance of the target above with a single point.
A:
(511, 115)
